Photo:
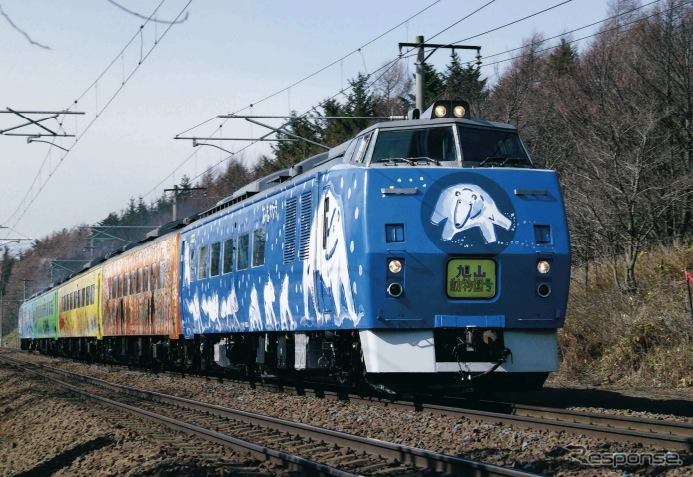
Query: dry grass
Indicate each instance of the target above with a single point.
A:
(643, 338)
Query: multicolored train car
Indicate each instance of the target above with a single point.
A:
(424, 253)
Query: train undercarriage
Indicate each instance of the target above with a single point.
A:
(331, 357)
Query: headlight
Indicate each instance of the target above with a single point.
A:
(459, 111)
(543, 267)
(395, 266)
(440, 111)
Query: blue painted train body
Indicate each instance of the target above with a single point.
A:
(309, 255)
(422, 253)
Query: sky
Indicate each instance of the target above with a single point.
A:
(219, 58)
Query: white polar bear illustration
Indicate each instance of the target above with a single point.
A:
(254, 313)
(229, 307)
(328, 266)
(464, 206)
(268, 297)
(286, 318)
(194, 310)
(210, 305)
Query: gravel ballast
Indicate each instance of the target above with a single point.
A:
(29, 434)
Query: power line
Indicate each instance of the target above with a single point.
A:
(357, 50)
(589, 36)
(97, 113)
(562, 35)
(304, 79)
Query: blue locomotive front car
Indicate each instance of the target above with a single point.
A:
(426, 252)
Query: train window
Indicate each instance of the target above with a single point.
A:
(93, 294)
(259, 239)
(496, 147)
(203, 263)
(431, 143)
(162, 273)
(132, 282)
(243, 245)
(191, 261)
(88, 296)
(227, 265)
(138, 281)
(362, 147)
(145, 286)
(215, 255)
(154, 277)
(119, 286)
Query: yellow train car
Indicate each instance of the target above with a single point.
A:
(79, 304)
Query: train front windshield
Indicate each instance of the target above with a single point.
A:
(492, 147)
(404, 144)
(480, 146)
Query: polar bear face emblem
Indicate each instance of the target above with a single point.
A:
(465, 206)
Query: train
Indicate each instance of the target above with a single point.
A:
(426, 253)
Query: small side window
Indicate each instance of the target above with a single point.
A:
(203, 263)
(145, 286)
(362, 147)
(140, 282)
(227, 266)
(243, 245)
(162, 273)
(191, 261)
(259, 239)
(215, 255)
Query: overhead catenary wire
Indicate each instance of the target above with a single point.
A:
(404, 55)
(621, 26)
(342, 90)
(255, 103)
(96, 116)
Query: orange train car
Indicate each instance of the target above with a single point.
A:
(141, 290)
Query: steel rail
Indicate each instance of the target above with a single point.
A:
(293, 462)
(670, 435)
(416, 457)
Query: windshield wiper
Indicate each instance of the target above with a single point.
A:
(427, 160)
(413, 161)
(503, 160)
(393, 161)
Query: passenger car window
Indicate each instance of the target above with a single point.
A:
(228, 256)
(243, 245)
(203, 263)
(259, 239)
(215, 252)
(162, 273)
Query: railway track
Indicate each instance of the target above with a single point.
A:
(307, 449)
(666, 435)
